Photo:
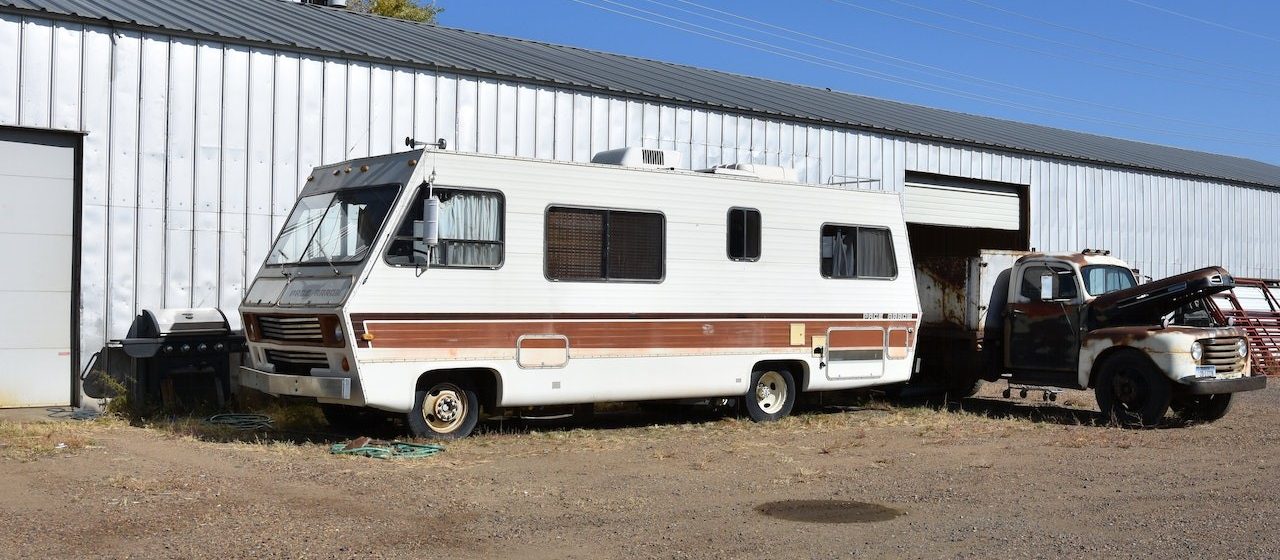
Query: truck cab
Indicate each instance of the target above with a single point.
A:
(1081, 321)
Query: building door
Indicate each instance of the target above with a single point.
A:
(37, 239)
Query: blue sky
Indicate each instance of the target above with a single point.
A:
(1194, 74)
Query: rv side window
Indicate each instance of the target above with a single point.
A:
(471, 231)
(586, 245)
(857, 252)
(744, 234)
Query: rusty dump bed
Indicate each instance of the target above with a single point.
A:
(1147, 304)
(1252, 306)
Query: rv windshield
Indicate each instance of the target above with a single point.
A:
(334, 227)
(1104, 279)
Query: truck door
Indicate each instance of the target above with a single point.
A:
(1042, 327)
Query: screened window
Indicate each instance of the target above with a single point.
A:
(857, 252)
(744, 234)
(471, 231)
(593, 245)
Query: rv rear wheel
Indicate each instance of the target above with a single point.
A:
(1131, 391)
(445, 409)
(770, 396)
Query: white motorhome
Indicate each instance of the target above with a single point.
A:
(435, 283)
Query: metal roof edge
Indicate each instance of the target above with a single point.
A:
(112, 23)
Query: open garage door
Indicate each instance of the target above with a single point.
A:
(957, 217)
(957, 203)
(37, 240)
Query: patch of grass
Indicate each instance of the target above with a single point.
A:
(28, 441)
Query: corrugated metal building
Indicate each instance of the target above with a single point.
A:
(189, 126)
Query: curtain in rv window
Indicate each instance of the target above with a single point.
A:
(471, 230)
(857, 252)
(586, 244)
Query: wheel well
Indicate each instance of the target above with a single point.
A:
(488, 384)
(798, 369)
(1108, 354)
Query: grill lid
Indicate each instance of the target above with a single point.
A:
(159, 323)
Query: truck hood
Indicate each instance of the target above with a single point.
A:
(1148, 303)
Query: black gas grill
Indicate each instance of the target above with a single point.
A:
(181, 357)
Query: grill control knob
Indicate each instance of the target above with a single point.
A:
(186, 347)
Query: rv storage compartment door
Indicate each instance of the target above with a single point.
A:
(542, 351)
(856, 352)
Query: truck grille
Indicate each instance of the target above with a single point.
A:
(1221, 354)
(291, 329)
(296, 362)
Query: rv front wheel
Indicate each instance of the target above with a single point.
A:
(446, 409)
(770, 396)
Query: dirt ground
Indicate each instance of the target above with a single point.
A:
(998, 479)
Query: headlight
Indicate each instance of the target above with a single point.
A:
(1242, 348)
(1197, 351)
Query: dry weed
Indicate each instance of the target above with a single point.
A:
(28, 441)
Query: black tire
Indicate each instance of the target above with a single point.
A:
(1131, 392)
(454, 417)
(962, 386)
(762, 401)
(1202, 408)
(343, 417)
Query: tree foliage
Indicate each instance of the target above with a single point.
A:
(400, 9)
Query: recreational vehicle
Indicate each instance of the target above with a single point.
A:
(436, 284)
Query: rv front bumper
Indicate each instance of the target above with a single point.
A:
(1219, 386)
(336, 388)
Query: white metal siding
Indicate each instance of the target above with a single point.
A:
(963, 206)
(195, 150)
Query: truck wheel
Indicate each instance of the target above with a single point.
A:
(963, 386)
(1202, 408)
(1131, 392)
(444, 409)
(770, 396)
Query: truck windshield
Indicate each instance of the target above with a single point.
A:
(333, 227)
(1101, 279)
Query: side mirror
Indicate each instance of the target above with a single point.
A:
(1046, 287)
(426, 232)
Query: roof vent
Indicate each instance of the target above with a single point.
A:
(639, 157)
(766, 172)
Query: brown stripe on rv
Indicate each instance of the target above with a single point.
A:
(603, 334)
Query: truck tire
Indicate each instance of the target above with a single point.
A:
(444, 409)
(1202, 408)
(770, 396)
(960, 386)
(1131, 392)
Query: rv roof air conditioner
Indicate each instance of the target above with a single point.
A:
(766, 172)
(639, 157)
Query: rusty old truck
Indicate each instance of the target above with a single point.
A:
(1079, 321)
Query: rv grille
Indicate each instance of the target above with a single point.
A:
(296, 362)
(1221, 354)
(291, 329)
(652, 157)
